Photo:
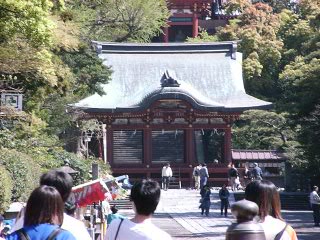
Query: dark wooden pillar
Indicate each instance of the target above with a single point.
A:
(165, 34)
(190, 152)
(227, 144)
(147, 151)
(110, 146)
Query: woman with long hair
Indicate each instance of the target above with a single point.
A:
(265, 194)
(43, 217)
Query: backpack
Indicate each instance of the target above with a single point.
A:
(24, 236)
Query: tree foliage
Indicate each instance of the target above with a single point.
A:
(280, 43)
(26, 19)
(121, 20)
(5, 188)
(257, 27)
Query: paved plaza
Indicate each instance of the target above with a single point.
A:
(179, 215)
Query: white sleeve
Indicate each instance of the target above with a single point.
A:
(111, 230)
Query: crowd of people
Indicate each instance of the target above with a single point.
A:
(45, 215)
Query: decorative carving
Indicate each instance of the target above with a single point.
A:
(168, 81)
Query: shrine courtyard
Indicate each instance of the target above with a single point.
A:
(178, 214)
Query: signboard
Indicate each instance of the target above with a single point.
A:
(89, 193)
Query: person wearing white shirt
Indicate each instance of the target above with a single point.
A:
(166, 175)
(145, 196)
(63, 183)
(315, 204)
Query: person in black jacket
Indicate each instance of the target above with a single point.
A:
(205, 199)
(224, 197)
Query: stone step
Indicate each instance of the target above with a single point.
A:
(289, 200)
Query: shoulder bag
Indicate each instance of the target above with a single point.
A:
(115, 238)
(24, 236)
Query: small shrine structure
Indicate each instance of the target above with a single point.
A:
(170, 103)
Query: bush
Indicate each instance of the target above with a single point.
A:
(5, 189)
(23, 170)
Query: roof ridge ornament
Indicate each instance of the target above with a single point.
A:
(167, 80)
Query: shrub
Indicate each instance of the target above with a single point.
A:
(24, 171)
(5, 189)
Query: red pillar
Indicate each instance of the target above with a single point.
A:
(227, 144)
(195, 25)
(147, 154)
(110, 146)
(166, 34)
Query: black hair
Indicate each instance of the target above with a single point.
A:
(114, 210)
(60, 180)
(44, 205)
(70, 208)
(146, 195)
(315, 188)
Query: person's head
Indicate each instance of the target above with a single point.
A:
(315, 188)
(60, 180)
(145, 195)
(200, 165)
(204, 165)
(70, 208)
(44, 205)
(114, 209)
(265, 194)
(167, 165)
(255, 164)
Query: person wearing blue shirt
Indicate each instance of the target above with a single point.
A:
(43, 217)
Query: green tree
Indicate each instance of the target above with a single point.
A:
(257, 28)
(121, 20)
(203, 37)
(5, 188)
(259, 129)
(27, 20)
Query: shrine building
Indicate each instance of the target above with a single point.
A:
(188, 16)
(170, 103)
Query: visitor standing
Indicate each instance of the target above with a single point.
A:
(203, 175)
(63, 183)
(233, 174)
(205, 200)
(43, 217)
(256, 172)
(166, 175)
(145, 196)
(247, 175)
(224, 197)
(196, 176)
(265, 194)
(315, 205)
(114, 215)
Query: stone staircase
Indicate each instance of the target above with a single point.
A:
(289, 200)
(121, 203)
